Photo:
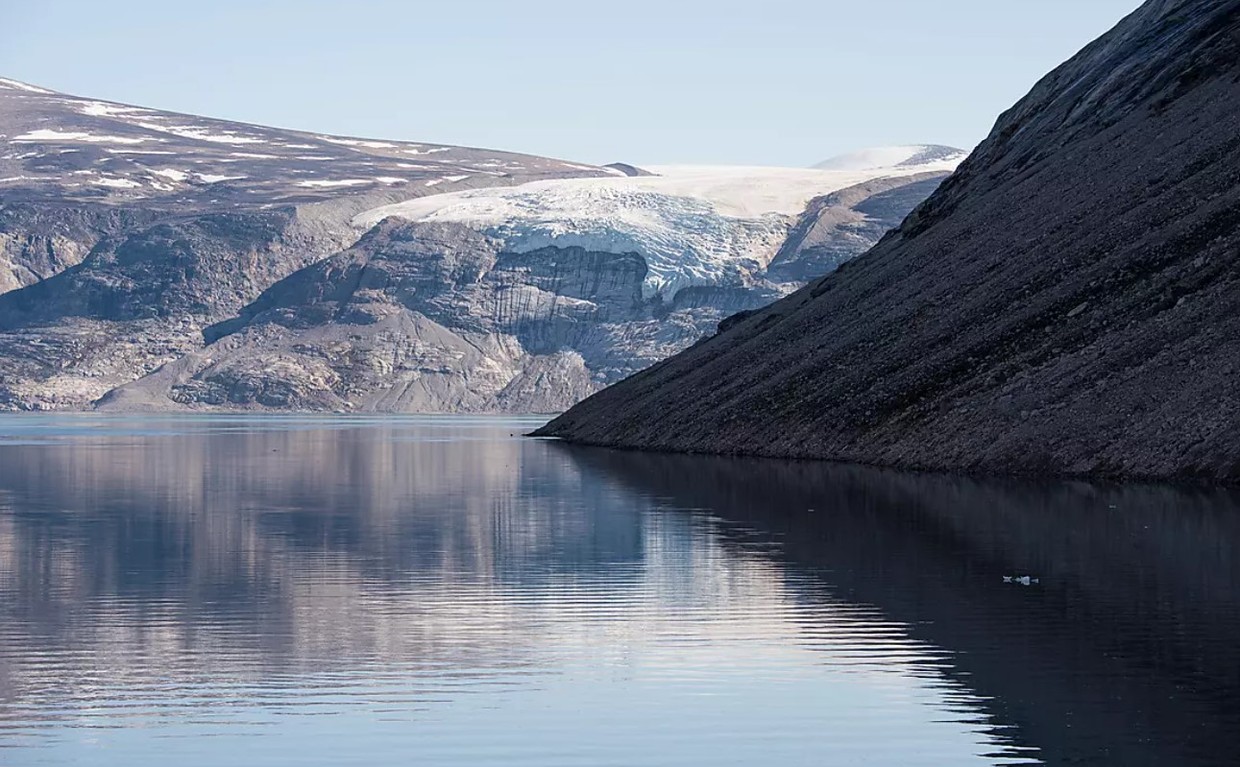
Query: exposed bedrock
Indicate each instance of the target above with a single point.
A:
(435, 317)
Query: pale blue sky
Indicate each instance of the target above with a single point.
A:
(648, 81)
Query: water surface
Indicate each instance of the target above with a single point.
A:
(440, 591)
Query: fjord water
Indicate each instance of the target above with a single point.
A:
(441, 591)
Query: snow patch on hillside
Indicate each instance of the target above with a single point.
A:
(198, 133)
(335, 183)
(117, 183)
(45, 134)
(212, 178)
(106, 109)
(172, 173)
(351, 142)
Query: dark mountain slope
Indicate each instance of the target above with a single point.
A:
(1068, 302)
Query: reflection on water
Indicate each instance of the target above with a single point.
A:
(441, 591)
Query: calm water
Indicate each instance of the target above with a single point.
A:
(440, 591)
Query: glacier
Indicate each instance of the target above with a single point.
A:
(693, 225)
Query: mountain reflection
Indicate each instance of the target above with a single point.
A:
(1126, 650)
(219, 572)
(244, 532)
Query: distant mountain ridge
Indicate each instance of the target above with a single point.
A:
(895, 157)
(64, 147)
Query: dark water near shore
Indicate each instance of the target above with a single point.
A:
(440, 591)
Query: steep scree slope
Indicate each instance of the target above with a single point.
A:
(1068, 302)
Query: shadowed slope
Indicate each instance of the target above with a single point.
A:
(1066, 303)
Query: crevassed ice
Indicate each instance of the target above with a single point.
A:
(692, 225)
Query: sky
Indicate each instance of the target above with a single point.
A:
(761, 82)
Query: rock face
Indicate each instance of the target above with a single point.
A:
(140, 300)
(414, 317)
(424, 317)
(40, 240)
(834, 228)
(1068, 302)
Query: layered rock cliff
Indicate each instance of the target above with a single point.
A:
(426, 317)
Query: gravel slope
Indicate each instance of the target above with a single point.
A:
(1067, 303)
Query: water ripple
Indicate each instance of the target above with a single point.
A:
(357, 591)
